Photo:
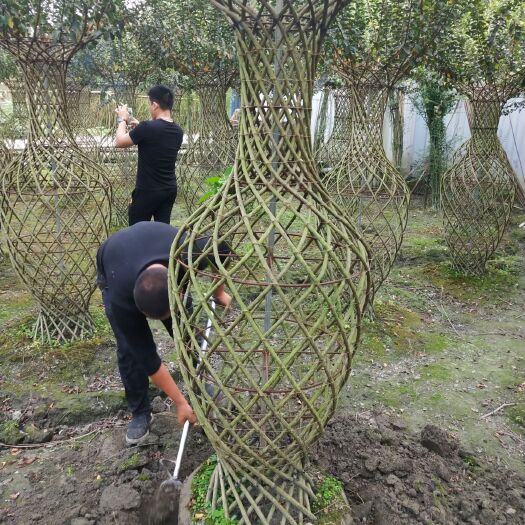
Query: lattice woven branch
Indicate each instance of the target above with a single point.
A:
(329, 154)
(55, 206)
(479, 189)
(212, 144)
(368, 186)
(278, 358)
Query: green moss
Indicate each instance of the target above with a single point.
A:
(10, 433)
(470, 462)
(217, 517)
(396, 396)
(436, 343)
(502, 276)
(517, 414)
(200, 484)
(436, 371)
(399, 331)
(201, 510)
(130, 463)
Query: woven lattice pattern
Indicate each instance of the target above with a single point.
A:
(5, 155)
(368, 186)
(279, 357)
(329, 154)
(82, 118)
(479, 190)
(211, 148)
(55, 208)
(18, 98)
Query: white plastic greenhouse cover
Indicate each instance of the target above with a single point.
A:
(511, 132)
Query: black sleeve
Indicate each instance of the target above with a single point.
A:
(140, 133)
(135, 333)
(202, 244)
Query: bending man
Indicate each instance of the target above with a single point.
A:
(132, 269)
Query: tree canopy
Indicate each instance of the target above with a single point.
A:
(380, 41)
(61, 21)
(189, 36)
(486, 45)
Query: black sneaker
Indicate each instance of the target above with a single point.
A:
(138, 429)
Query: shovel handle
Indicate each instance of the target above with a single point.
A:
(181, 448)
(186, 427)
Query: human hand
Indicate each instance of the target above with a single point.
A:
(223, 298)
(185, 413)
(133, 122)
(123, 112)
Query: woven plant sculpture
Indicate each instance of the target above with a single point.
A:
(479, 190)
(329, 154)
(55, 209)
(279, 357)
(212, 148)
(367, 185)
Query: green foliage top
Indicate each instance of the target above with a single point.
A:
(380, 41)
(190, 36)
(60, 21)
(434, 96)
(121, 62)
(487, 44)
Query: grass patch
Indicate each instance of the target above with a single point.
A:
(326, 492)
(397, 332)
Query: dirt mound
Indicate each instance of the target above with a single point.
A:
(393, 477)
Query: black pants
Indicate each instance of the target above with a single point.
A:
(134, 377)
(146, 204)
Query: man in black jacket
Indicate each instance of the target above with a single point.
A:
(133, 276)
(158, 141)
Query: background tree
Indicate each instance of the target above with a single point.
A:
(484, 57)
(433, 99)
(55, 199)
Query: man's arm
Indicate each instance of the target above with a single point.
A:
(122, 137)
(162, 378)
(140, 341)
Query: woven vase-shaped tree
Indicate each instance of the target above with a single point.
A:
(367, 185)
(278, 358)
(5, 152)
(329, 153)
(17, 89)
(55, 208)
(485, 58)
(212, 148)
(479, 190)
(373, 46)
